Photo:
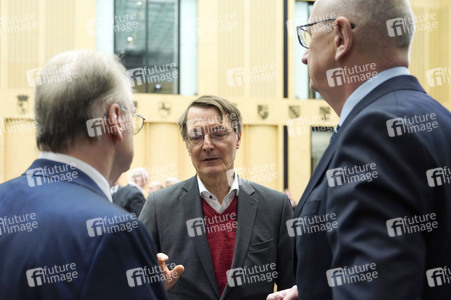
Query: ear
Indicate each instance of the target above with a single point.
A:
(344, 37)
(238, 141)
(115, 124)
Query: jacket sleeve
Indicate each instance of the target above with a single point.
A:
(124, 266)
(149, 217)
(285, 279)
(136, 201)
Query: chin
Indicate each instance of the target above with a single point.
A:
(211, 170)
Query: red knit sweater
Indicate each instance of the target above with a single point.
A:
(221, 232)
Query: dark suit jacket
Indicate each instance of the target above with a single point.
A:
(261, 239)
(63, 235)
(129, 198)
(365, 209)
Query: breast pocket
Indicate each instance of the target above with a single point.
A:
(261, 254)
(261, 246)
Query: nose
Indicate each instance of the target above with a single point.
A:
(305, 57)
(208, 144)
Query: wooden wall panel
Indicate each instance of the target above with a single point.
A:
(59, 27)
(22, 41)
(247, 59)
(20, 146)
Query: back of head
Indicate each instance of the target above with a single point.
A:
(375, 21)
(76, 86)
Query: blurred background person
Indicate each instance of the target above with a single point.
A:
(139, 177)
(131, 197)
(154, 186)
(171, 181)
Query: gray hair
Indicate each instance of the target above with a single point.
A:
(224, 107)
(74, 87)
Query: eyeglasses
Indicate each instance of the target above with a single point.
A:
(196, 137)
(304, 35)
(138, 120)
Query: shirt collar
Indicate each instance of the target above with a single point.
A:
(363, 90)
(213, 201)
(98, 178)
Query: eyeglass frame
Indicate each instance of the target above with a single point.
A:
(134, 114)
(186, 138)
(302, 28)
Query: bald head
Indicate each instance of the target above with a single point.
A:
(375, 20)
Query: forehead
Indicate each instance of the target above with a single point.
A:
(203, 116)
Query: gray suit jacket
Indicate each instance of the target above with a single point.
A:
(262, 242)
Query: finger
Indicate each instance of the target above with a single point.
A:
(292, 294)
(173, 276)
(162, 258)
(272, 296)
(277, 295)
(178, 270)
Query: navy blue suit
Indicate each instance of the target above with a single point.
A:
(352, 222)
(62, 239)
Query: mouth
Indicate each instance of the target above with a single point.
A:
(210, 159)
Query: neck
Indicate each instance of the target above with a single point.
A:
(337, 97)
(90, 154)
(217, 185)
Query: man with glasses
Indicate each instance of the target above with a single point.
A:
(229, 233)
(60, 235)
(384, 182)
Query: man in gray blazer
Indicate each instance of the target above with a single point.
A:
(229, 233)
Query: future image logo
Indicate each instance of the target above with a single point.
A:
(438, 176)
(351, 275)
(438, 76)
(50, 275)
(352, 174)
(350, 75)
(250, 275)
(259, 73)
(111, 225)
(412, 124)
(147, 275)
(51, 174)
(99, 126)
(438, 276)
(312, 224)
(408, 225)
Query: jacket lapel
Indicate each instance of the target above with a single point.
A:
(247, 211)
(397, 83)
(192, 206)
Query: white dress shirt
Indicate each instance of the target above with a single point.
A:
(98, 178)
(213, 201)
(363, 90)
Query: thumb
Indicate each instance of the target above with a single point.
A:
(177, 271)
